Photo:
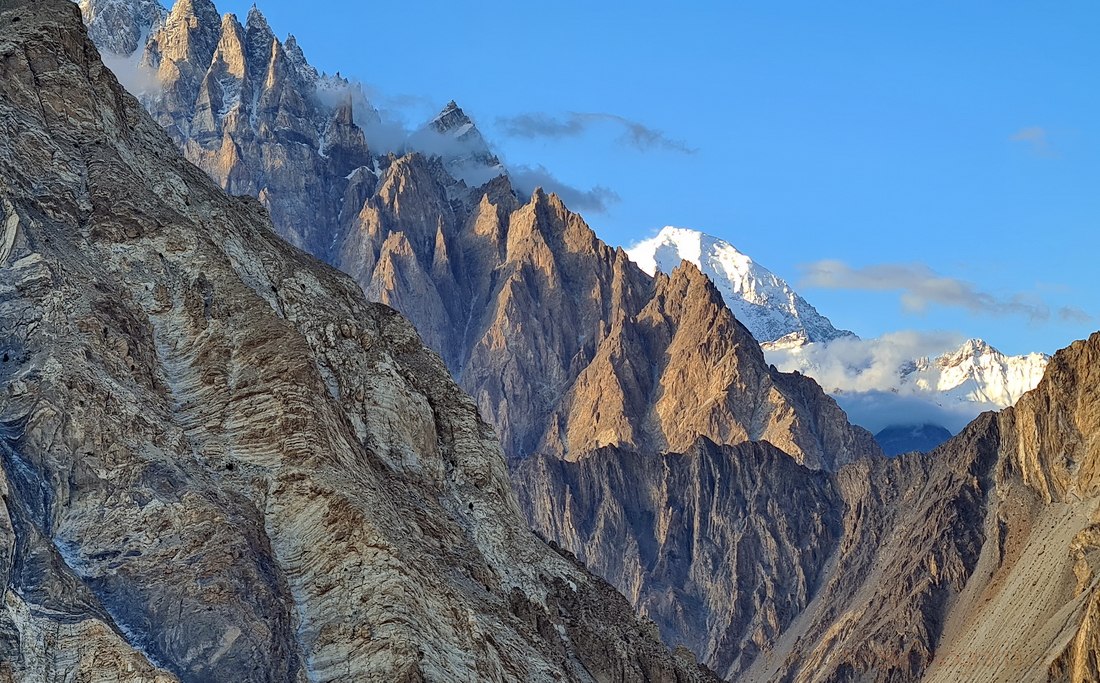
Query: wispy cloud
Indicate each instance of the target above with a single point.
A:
(635, 134)
(1072, 314)
(138, 78)
(597, 199)
(921, 287)
(1036, 138)
(387, 130)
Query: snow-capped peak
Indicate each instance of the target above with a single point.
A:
(761, 300)
(977, 372)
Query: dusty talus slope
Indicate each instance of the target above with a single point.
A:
(219, 462)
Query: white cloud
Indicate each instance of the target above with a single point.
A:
(921, 287)
(863, 375)
(849, 364)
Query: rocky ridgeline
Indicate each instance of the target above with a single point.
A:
(530, 310)
(975, 562)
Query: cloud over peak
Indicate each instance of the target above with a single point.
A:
(597, 199)
(638, 135)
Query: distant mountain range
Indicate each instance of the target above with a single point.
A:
(761, 300)
(921, 438)
(795, 336)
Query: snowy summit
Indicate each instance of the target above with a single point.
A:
(761, 300)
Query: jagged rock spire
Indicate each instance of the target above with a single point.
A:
(119, 26)
(453, 136)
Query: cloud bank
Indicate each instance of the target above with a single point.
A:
(574, 124)
(921, 287)
(597, 199)
(863, 375)
(850, 364)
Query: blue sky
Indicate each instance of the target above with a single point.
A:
(951, 148)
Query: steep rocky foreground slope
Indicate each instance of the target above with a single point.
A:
(219, 462)
(536, 317)
(977, 562)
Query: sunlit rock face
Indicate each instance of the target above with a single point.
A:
(535, 316)
(220, 463)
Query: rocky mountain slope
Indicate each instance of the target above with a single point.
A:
(761, 300)
(537, 318)
(976, 562)
(220, 463)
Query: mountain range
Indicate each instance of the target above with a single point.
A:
(250, 110)
(761, 300)
(968, 379)
(221, 463)
(536, 317)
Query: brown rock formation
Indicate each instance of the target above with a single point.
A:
(974, 563)
(219, 462)
(722, 546)
(536, 317)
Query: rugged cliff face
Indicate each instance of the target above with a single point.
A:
(722, 546)
(975, 562)
(219, 462)
(247, 108)
(529, 309)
